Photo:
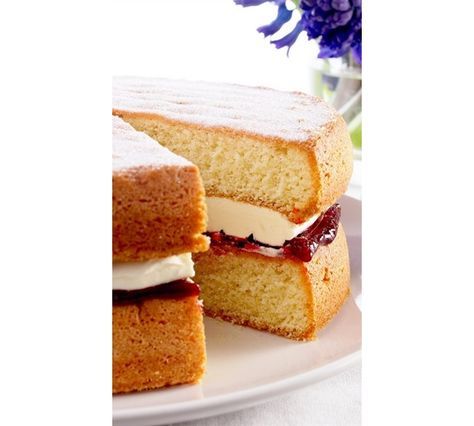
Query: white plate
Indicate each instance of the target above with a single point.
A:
(246, 367)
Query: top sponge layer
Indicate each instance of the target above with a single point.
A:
(287, 151)
(259, 110)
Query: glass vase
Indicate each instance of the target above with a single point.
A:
(339, 82)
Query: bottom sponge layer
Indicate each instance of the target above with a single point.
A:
(284, 296)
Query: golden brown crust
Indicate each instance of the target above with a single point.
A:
(157, 212)
(333, 161)
(325, 281)
(328, 154)
(329, 274)
(157, 343)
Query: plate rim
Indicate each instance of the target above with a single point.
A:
(220, 404)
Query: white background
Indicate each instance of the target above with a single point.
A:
(206, 40)
(57, 61)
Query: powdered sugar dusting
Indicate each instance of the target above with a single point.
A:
(287, 115)
(136, 149)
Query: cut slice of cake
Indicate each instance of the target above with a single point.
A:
(273, 164)
(159, 215)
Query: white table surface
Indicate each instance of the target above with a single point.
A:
(333, 402)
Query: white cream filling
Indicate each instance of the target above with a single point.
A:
(139, 275)
(242, 219)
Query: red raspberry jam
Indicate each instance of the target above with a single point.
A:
(174, 290)
(303, 247)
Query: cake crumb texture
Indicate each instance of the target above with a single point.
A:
(157, 342)
(287, 297)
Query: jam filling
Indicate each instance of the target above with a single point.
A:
(303, 247)
(174, 290)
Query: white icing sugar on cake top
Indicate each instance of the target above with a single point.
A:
(258, 110)
(136, 149)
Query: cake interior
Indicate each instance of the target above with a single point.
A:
(272, 174)
(261, 292)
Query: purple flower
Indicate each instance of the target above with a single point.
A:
(246, 3)
(284, 15)
(290, 38)
(336, 24)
